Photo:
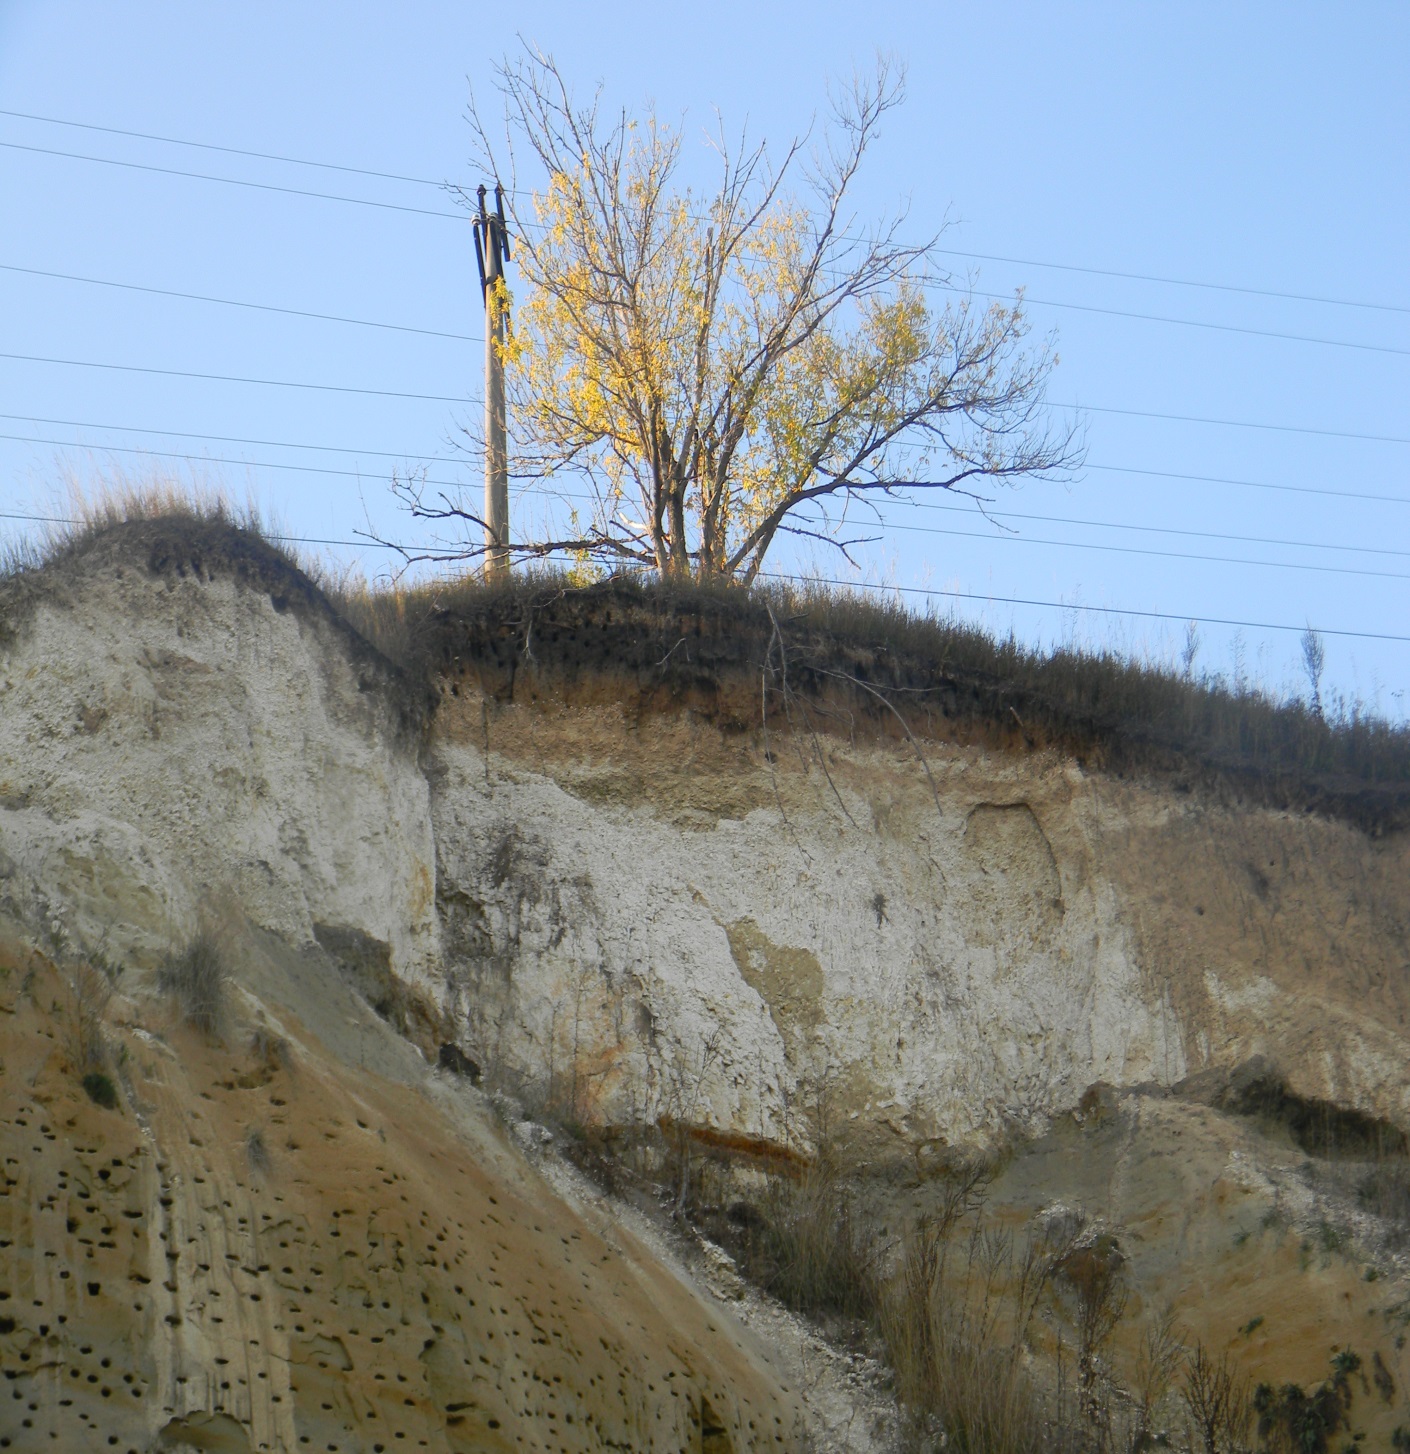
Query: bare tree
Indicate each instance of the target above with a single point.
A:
(1158, 1362)
(684, 1085)
(1092, 1277)
(1217, 1401)
(718, 369)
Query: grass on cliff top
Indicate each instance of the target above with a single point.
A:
(168, 523)
(944, 676)
(670, 639)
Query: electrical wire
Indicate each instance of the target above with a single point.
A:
(1184, 619)
(890, 525)
(237, 303)
(928, 591)
(80, 363)
(1174, 282)
(268, 534)
(1178, 322)
(588, 498)
(1121, 469)
(262, 464)
(930, 281)
(1238, 423)
(459, 399)
(1157, 529)
(265, 156)
(434, 458)
(1335, 570)
(222, 438)
(231, 181)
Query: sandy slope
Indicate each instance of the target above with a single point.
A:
(392, 1274)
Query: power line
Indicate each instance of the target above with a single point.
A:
(236, 303)
(1069, 606)
(263, 464)
(1174, 282)
(472, 338)
(80, 363)
(944, 251)
(1158, 529)
(1336, 570)
(1238, 423)
(398, 207)
(1121, 469)
(458, 399)
(888, 525)
(451, 484)
(435, 458)
(223, 438)
(228, 150)
(1179, 322)
(945, 285)
(268, 534)
(948, 252)
(230, 181)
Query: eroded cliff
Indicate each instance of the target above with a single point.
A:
(650, 899)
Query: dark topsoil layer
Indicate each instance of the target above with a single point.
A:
(823, 663)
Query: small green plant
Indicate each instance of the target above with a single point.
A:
(101, 1090)
(1330, 1238)
(195, 978)
(1252, 1326)
(1296, 1420)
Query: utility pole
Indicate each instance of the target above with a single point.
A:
(491, 253)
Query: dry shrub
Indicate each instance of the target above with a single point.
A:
(1217, 1401)
(957, 1321)
(1159, 1360)
(196, 979)
(1090, 1282)
(808, 1245)
(87, 989)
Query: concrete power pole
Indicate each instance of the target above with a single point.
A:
(491, 253)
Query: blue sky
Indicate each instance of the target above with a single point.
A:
(1258, 147)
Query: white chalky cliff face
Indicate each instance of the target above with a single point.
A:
(179, 741)
(646, 917)
(922, 957)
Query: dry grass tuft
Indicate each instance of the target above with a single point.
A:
(808, 1245)
(196, 979)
